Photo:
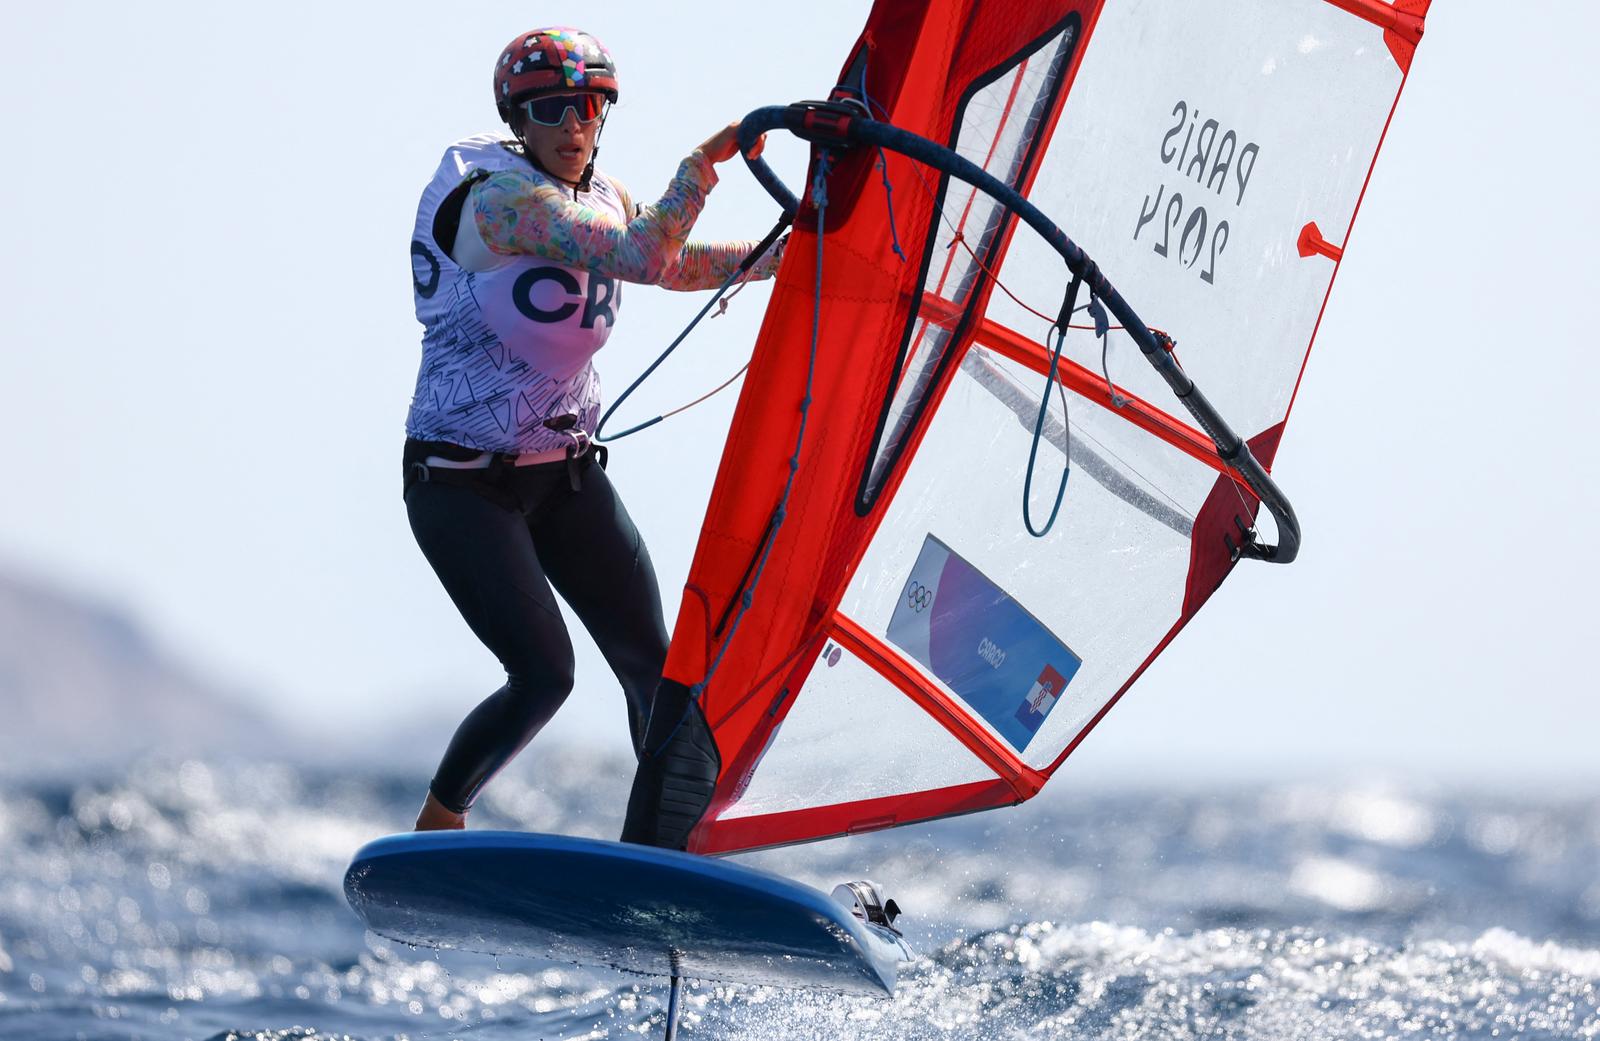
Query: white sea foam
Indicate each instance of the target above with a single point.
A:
(1519, 954)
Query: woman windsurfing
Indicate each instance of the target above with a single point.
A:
(518, 256)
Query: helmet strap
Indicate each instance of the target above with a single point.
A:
(587, 178)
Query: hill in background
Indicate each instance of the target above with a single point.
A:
(82, 683)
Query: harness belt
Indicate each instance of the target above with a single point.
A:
(486, 473)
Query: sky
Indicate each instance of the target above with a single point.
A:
(211, 351)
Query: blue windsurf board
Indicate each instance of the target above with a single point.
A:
(635, 908)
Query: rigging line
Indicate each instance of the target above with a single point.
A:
(1101, 333)
(739, 274)
(866, 63)
(962, 240)
(1244, 504)
(869, 102)
(888, 198)
(819, 197)
(722, 305)
(1066, 421)
(722, 309)
(708, 394)
(1038, 424)
(1101, 323)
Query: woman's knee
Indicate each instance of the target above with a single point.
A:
(541, 674)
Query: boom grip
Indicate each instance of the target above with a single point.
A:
(751, 127)
(832, 124)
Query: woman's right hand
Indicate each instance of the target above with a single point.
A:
(724, 144)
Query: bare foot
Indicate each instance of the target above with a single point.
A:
(436, 817)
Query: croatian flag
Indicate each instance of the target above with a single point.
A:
(1041, 698)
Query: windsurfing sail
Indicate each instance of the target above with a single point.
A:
(871, 636)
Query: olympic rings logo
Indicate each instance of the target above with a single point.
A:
(918, 597)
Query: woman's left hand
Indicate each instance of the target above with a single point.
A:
(724, 144)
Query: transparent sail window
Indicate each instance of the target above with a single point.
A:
(851, 735)
(997, 127)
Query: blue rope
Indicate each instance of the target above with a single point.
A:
(819, 196)
(883, 162)
(1062, 323)
(888, 198)
(1033, 451)
(866, 62)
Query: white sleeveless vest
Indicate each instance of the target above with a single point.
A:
(504, 349)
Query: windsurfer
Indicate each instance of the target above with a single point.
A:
(518, 254)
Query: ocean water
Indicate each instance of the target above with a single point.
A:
(192, 899)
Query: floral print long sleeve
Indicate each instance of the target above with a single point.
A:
(522, 214)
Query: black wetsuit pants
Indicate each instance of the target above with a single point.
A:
(499, 540)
